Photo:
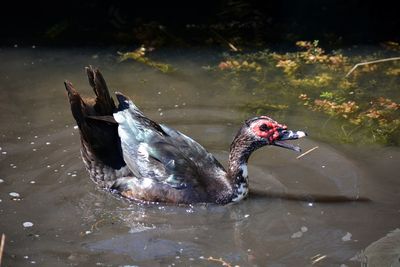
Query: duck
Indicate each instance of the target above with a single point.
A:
(131, 155)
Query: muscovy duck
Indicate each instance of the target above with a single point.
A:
(129, 154)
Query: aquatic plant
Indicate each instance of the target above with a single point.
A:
(236, 65)
(358, 108)
(139, 55)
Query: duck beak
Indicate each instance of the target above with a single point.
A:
(285, 135)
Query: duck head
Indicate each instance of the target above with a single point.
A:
(266, 131)
(262, 131)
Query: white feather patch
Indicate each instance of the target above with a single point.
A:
(242, 189)
(245, 173)
(119, 117)
(147, 182)
(142, 151)
(241, 192)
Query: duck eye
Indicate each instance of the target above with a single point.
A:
(263, 127)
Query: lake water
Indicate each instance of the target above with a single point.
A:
(298, 213)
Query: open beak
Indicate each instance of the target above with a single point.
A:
(285, 135)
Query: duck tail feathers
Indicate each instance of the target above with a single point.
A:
(93, 115)
(104, 104)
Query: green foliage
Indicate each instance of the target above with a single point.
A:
(326, 95)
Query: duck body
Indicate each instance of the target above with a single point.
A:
(127, 153)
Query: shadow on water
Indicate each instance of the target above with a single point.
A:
(307, 198)
(300, 212)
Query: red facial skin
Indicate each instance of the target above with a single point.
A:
(271, 133)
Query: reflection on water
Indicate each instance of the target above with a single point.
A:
(285, 222)
(383, 252)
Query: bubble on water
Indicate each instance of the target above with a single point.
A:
(4, 152)
(304, 229)
(297, 234)
(189, 210)
(15, 46)
(73, 175)
(32, 182)
(48, 143)
(247, 215)
(19, 137)
(27, 224)
(347, 237)
(1, 181)
(33, 46)
(161, 113)
(14, 194)
(35, 137)
(76, 127)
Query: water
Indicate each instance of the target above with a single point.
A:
(293, 217)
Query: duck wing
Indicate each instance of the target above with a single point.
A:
(193, 150)
(156, 151)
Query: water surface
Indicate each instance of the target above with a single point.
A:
(295, 215)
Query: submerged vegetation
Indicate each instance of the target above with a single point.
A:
(361, 107)
(139, 55)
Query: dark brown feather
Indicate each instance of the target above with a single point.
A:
(100, 137)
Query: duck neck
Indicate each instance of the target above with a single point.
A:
(238, 175)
